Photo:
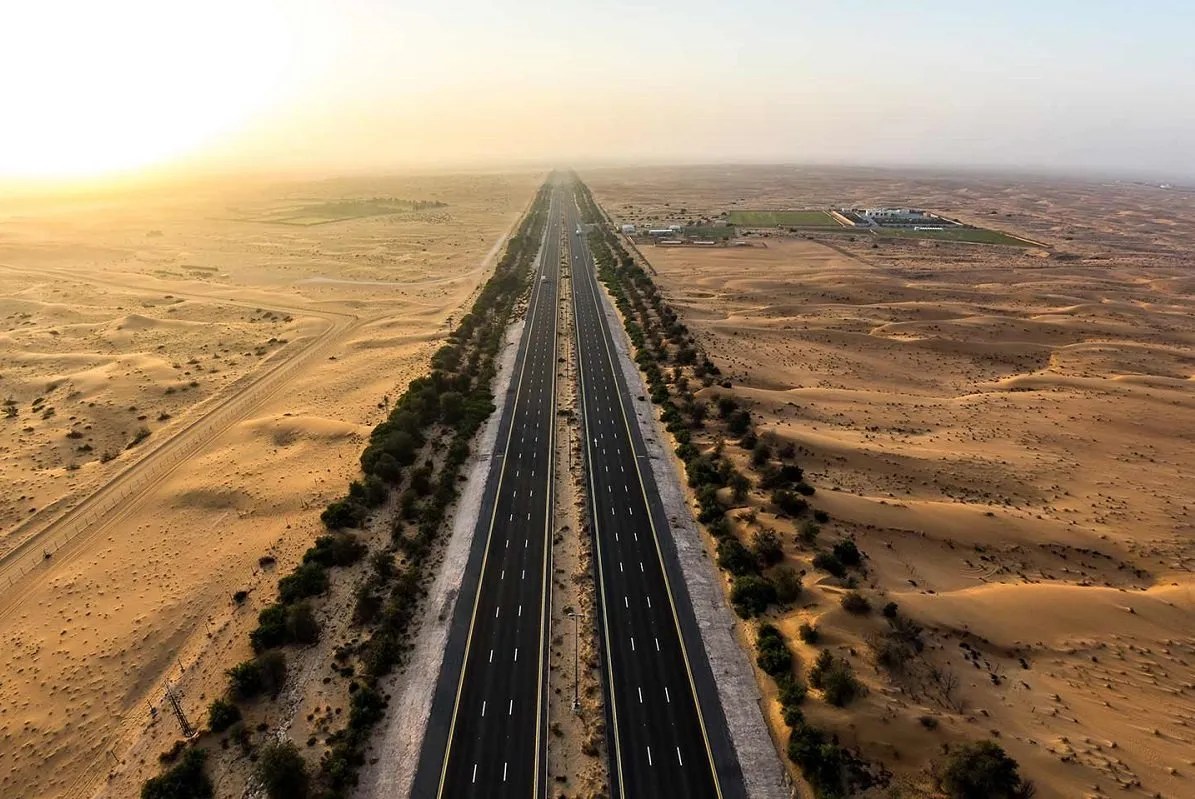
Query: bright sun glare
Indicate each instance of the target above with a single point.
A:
(92, 88)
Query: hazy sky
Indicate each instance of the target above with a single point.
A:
(90, 88)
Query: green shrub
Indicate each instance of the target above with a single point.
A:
(761, 453)
(735, 558)
(337, 549)
(836, 680)
(343, 513)
(282, 770)
(222, 714)
(848, 553)
(184, 780)
(789, 502)
(738, 423)
(787, 582)
(765, 545)
(309, 579)
(828, 562)
(854, 602)
(808, 633)
(271, 628)
(823, 763)
(983, 770)
(772, 655)
(751, 595)
(266, 673)
(301, 626)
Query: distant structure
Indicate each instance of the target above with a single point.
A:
(914, 218)
(628, 230)
(658, 232)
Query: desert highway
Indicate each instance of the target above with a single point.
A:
(667, 731)
(486, 733)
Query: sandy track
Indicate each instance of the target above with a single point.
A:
(41, 537)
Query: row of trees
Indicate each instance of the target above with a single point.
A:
(418, 453)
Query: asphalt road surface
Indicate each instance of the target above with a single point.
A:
(486, 735)
(667, 732)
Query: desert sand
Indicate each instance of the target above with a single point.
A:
(1005, 434)
(205, 360)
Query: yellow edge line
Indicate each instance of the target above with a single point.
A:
(598, 549)
(489, 536)
(663, 570)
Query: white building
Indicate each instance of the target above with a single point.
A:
(628, 230)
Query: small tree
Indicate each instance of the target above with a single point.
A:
(738, 423)
(734, 557)
(184, 780)
(751, 595)
(282, 770)
(854, 602)
(787, 582)
(765, 544)
(983, 770)
(222, 714)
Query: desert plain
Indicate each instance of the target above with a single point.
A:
(1006, 434)
(188, 372)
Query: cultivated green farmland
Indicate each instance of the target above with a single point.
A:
(782, 219)
(967, 234)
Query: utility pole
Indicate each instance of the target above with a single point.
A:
(576, 663)
(172, 698)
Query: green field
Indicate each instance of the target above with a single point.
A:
(322, 213)
(782, 219)
(709, 232)
(967, 234)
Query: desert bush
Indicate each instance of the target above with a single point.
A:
(822, 762)
(854, 602)
(847, 553)
(983, 770)
(301, 625)
(765, 545)
(337, 549)
(310, 579)
(343, 513)
(184, 780)
(827, 562)
(738, 422)
(787, 582)
(751, 595)
(789, 502)
(835, 678)
(808, 532)
(266, 673)
(282, 771)
(772, 655)
(808, 633)
(733, 557)
(761, 453)
(222, 714)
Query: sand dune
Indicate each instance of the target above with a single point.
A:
(118, 331)
(1005, 434)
